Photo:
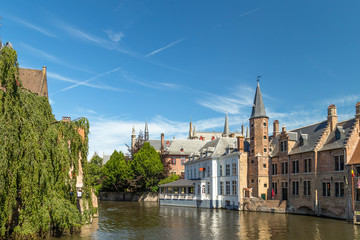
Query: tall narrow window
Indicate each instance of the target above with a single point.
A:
(234, 188)
(227, 187)
(307, 167)
(182, 160)
(326, 189)
(220, 173)
(339, 189)
(208, 188)
(221, 192)
(295, 188)
(307, 188)
(274, 186)
(274, 169)
(339, 163)
(234, 169)
(295, 167)
(227, 169)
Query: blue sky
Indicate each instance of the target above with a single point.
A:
(119, 63)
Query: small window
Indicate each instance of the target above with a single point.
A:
(252, 180)
(182, 150)
(301, 141)
(265, 137)
(252, 125)
(337, 134)
(264, 165)
(252, 151)
(264, 124)
(265, 185)
(265, 150)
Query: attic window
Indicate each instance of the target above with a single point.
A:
(201, 138)
(212, 138)
(168, 143)
(337, 134)
(181, 150)
(301, 141)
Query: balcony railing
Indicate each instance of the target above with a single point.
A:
(175, 196)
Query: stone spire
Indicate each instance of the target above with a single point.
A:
(258, 109)
(226, 126)
(146, 137)
(190, 130)
(194, 132)
(247, 132)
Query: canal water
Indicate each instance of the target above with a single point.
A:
(133, 220)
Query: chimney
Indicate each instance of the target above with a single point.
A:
(283, 128)
(332, 117)
(276, 128)
(66, 119)
(44, 71)
(240, 143)
(357, 115)
(162, 143)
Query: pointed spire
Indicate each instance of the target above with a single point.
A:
(226, 126)
(146, 137)
(194, 132)
(133, 130)
(190, 129)
(258, 109)
(247, 132)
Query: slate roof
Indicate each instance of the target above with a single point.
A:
(313, 133)
(180, 183)
(258, 109)
(156, 143)
(218, 147)
(188, 146)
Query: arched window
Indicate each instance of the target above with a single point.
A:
(264, 124)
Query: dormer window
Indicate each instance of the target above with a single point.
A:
(301, 141)
(337, 134)
(182, 150)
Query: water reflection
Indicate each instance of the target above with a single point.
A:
(128, 220)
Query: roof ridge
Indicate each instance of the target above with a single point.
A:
(307, 126)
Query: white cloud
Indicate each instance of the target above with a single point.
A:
(78, 83)
(36, 28)
(114, 36)
(166, 47)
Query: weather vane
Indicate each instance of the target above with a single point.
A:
(258, 78)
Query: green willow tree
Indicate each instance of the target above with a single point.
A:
(37, 193)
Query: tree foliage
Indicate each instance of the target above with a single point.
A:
(172, 178)
(94, 172)
(116, 173)
(147, 166)
(37, 154)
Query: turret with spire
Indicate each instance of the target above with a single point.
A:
(146, 137)
(226, 126)
(259, 146)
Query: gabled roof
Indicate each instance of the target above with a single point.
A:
(355, 158)
(313, 132)
(258, 109)
(34, 80)
(344, 128)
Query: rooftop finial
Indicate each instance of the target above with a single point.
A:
(258, 78)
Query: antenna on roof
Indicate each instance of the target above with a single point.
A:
(258, 78)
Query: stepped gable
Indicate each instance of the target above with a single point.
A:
(312, 134)
(344, 128)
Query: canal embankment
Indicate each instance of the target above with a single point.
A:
(129, 196)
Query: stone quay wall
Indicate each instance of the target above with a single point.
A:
(129, 196)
